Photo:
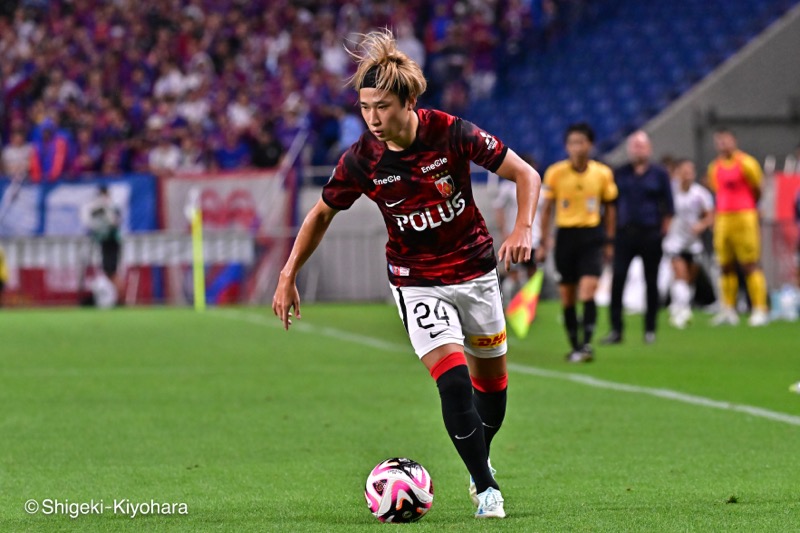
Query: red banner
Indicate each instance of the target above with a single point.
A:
(786, 190)
(260, 202)
(255, 201)
(787, 187)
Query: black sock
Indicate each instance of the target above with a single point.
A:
(491, 407)
(464, 425)
(571, 323)
(589, 320)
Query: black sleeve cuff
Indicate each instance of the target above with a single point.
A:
(500, 160)
(332, 206)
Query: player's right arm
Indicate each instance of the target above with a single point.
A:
(609, 197)
(308, 238)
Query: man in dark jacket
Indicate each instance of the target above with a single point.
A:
(644, 212)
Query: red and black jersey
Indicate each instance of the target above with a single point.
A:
(437, 236)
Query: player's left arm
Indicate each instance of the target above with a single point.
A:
(753, 175)
(517, 247)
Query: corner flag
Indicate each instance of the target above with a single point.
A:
(522, 308)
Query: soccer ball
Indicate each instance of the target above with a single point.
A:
(399, 490)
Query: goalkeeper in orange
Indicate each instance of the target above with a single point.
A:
(736, 178)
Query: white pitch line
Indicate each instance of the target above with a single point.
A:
(667, 394)
(334, 333)
(582, 379)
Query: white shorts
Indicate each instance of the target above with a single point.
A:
(674, 246)
(469, 314)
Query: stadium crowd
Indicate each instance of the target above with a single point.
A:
(91, 86)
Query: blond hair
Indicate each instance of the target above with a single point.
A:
(382, 66)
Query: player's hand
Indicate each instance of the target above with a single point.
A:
(286, 297)
(541, 253)
(516, 248)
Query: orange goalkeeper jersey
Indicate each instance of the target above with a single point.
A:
(736, 182)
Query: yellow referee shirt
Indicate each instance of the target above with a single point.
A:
(578, 195)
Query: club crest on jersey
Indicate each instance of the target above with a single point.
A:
(445, 186)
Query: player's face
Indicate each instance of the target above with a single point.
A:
(725, 142)
(639, 147)
(385, 116)
(578, 146)
(686, 174)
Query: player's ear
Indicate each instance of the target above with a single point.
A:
(411, 103)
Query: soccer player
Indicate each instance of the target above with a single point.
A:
(103, 219)
(579, 187)
(644, 212)
(694, 214)
(415, 165)
(736, 179)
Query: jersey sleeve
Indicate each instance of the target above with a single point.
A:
(477, 145)
(712, 176)
(342, 189)
(752, 171)
(609, 192)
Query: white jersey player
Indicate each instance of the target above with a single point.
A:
(694, 214)
(505, 214)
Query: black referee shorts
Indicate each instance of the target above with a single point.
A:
(579, 252)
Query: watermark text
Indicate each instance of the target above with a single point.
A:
(121, 506)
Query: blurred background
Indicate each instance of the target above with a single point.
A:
(117, 116)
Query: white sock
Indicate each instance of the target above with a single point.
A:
(681, 294)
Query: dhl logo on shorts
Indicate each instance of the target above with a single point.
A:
(488, 341)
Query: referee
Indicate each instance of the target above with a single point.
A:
(578, 187)
(644, 212)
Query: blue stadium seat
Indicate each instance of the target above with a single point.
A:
(621, 69)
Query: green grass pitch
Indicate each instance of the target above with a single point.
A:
(257, 429)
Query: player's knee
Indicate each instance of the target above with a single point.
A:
(587, 291)
(455, 387)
